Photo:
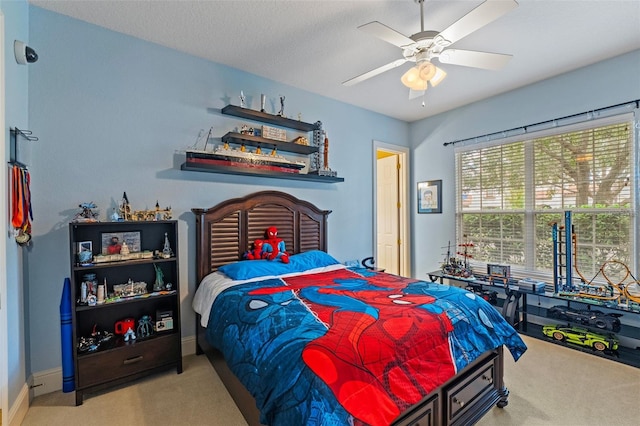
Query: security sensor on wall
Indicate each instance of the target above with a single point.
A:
(24, 54)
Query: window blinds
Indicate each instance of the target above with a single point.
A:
(510, 192)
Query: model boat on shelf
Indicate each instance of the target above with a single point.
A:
(456, 267)
(241, 157)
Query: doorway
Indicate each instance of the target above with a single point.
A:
(391, 212)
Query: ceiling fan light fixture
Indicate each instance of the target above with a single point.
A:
(412, 79)
(419, 76)
(437, 78)
(425, 45)
(426, 70)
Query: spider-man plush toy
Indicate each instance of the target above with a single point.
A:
(257, 252)
(274, 247)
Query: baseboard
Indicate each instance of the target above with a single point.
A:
(46, 382)
(18, 410)
(51, 380)
(188, 345)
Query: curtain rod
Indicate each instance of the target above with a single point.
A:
(525, 128)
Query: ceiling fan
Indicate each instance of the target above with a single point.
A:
(424, 46)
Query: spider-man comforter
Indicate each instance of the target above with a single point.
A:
(350, 346)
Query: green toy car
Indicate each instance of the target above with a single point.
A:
(581, 336)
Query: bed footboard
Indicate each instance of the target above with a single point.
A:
(462, 400)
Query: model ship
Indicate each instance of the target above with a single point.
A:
(241, 157)
(458, 267)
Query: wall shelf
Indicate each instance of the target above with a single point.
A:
(258, 141)
(269, 118)
(245, 171)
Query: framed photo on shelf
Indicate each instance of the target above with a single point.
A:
(85, 246)
(85, 252)
(430, 196)
(112, 242)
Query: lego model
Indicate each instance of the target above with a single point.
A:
(456, 267)
(87, 214)
(581, 336)
(617, 293)
(594, 318)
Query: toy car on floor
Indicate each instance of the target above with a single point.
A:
(581, 336)
(590, 317)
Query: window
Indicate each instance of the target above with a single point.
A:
(509, 195)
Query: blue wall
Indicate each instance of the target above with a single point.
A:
(111, 110)
(16, 27)
(571, 93)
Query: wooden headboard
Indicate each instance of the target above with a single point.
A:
(225, 232)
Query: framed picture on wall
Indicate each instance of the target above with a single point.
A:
(430, 196)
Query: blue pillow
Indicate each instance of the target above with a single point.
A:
(247, 269)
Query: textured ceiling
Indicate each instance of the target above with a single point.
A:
(315, 45)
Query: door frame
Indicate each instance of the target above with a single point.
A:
(403, 196)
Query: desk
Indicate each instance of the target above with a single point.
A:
(529, 312)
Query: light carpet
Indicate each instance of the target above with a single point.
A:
(550, 385)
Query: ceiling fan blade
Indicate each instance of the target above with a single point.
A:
(482, 15)
(374, 72)
(471, 58)
(413, 94)
(385, 33)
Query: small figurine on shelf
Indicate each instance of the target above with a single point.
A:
(124, 248)
(115, 217)
(166, 250)
(281, 112)
(86, 215)
(129, 335)
(242, 99)
(145, 326)
(159, 283)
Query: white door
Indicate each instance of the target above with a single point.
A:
(388, 231)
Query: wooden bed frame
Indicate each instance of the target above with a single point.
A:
(226, 231)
